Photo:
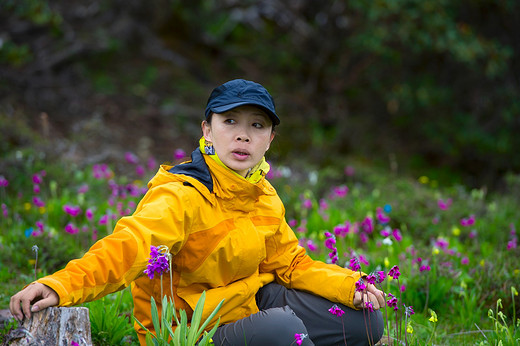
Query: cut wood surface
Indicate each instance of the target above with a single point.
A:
(54, 326)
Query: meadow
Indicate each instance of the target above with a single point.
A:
(449, 254)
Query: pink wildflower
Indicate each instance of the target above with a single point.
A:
(179, 154)
(354, 264)
(394, 272)
(336, 310)
(468, 221)
(381, 217)
(131, 158)
(444, 205)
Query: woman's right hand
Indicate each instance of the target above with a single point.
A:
(36, 294)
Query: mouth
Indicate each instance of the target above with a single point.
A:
(240, 153)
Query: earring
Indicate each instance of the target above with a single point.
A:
(208, 148)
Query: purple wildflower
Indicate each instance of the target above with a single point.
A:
(131, 158)
(3, 182)
(311, 246)
(468, 221)
(72, 210)
(339, 191)
(354, 264)
(71, 229)
(83, 188)
(397, 235)
(299, 338)
(158, 262)
(380, 276)
(394, 272)
(179, 154)
(37, 179)
(360, 285)
(381, 217)
(38, 202)
(444, 205)
(408, 310)
(371, 279)
(368, 224)
(392, 302)
(307, 204)
(336, 310)
(424, 268)
(369, 306)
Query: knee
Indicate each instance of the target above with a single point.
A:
(280, 326)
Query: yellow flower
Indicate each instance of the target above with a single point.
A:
(514, 291)
(456, 231)
(27, 206)
(424, 179)
(482, 263)
(409, 328)
(435, 250)
(41, 210)
(31, 262)
(387, 262)
(433, 317)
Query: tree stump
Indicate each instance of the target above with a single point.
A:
(54, 326)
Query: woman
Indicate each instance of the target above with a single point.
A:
(225, 227)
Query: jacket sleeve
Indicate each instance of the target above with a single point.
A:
(113, 262)
(293, 268)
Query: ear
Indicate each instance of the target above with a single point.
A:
(270, 140)
(206, 130)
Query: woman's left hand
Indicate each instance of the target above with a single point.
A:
(370, 294)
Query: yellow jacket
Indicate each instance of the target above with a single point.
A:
(228, 237)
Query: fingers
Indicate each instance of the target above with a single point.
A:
(39, 295)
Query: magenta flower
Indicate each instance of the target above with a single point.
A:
(369, 306)
(292, 223)
(38, 202)
(131, 158)
(336, 310)
(72, 210)
(360, 285)
(394, 272)
(311, 246)
(392, 302)
(424, 268)
(299, 338)
(103, 220)
(179, 154)
(74, 343)
(371, 279)
(89, 214)
(71, 229)
(307, 204)
(151, 164)
(381, 217)
(511, 244)
(83, 188)
(36, 189)
(37, 179)
(385, 232)
(444, 205)
(368, 224)
(380, 276)
(330, 242)
(341, 230)
(397, 235)
(3, 182)
(158, 262)
(363, 260)
(323, 204)
(339, 191)
(354, 264)
(464, 260)
(139, 170)
(442, 243)
(466, 222)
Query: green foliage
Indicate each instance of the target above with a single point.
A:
(6, 328)
(108, 322)
(184, 334)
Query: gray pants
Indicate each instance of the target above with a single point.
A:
(286, 312)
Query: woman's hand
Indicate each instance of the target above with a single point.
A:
(37, 294)
(370, 294)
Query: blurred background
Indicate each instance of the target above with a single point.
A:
(421, 87)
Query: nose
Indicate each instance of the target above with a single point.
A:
(243, 138)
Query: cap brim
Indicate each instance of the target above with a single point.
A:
(222, 109)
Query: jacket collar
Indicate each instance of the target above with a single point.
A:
(210, 178)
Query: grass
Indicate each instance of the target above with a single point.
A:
(467, 238)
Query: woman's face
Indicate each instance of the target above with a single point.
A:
(240, 136)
